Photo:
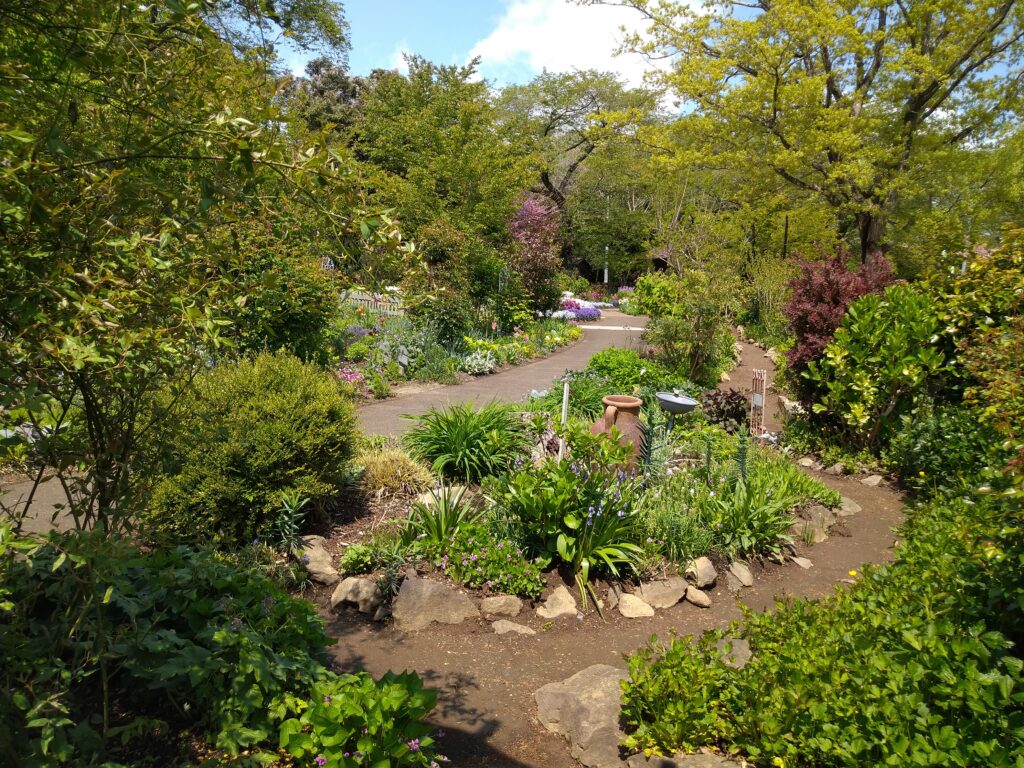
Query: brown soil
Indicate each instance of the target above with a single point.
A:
(486, 682)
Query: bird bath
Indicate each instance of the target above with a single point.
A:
(675, 404)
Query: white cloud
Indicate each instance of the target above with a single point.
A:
(397, 58)
(560, 36)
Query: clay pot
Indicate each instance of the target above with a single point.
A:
(623, 413)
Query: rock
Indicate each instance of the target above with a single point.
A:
(848, 507)
(501, 605)
(697, 597)
(807, 462)
(772, 354)
(871, 481)
(663, 593)
(709, 760)
(382, 612)
(803, 562)
(363, 592)
(732, 583)
(790, 407)
(742, 573)
(504, 626)
(818, 520)
(739, 654)
(836, 469)
(318, 561)
(703, 572)
(421, 602)
(613, 595)
(559, 603)
(585, 709)
(724, 377)
(632, 607)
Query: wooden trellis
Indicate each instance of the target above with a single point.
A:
(757, 403)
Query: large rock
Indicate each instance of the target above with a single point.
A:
(735, 651)
(807, 462)
(697, 597)
(585, 709)
(703, 572)
(559, 603)
(504, 626)
(836, 469)
(421, 602)
(501, 605)
(364, 593)
(632, 607)
(742, 573)
(318, 561)
(848, 507)
(818, 519)
(872, 481)
(803, 562)
(663, 593)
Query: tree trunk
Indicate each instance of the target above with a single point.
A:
(871, 229)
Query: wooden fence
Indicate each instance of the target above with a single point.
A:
(381, 303)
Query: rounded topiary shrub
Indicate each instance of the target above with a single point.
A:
(249, 433)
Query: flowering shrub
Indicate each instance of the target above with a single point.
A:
(476, 558)
(354, 378)
(536, 259)
(820, 294)
(586, 314)
(570, 304)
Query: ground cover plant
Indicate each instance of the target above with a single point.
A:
(108, 650)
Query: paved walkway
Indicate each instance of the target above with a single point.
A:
(613, 330)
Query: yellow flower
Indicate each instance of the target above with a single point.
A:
(852, 573)
(921, 473)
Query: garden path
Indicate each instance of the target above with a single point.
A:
(486, 682)
(615, 329)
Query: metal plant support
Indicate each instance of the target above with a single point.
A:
(757, 404)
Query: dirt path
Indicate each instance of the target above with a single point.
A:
(486, 682)
(613, 330)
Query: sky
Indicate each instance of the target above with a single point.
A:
(516, 39)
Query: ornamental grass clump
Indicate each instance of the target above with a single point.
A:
(467, 444)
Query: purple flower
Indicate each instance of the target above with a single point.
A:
(414, 745)
(321, 761)
(327, 699)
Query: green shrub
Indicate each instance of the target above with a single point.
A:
(941, 447)
(357, 351)
(357, 559)
(249, 433)
(393, 472)
(900, 670)
(475, 557)
(879, 363)
(626, 370)
(108, 653)
(466, 444)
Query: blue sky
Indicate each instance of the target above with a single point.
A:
(516, 39)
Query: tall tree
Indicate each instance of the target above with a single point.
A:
(843, 98)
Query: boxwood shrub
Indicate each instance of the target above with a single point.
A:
(250, 432)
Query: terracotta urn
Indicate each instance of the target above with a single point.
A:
(623, 413)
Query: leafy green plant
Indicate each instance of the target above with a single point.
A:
(673, 520)
(748, 520)
(437, 520)
(478, 363)
(478, 558)
(941, 446)
(358, 558)
(108, 650)
(908, 639)
(250, 432)
(577, 510)
(879, 363)
(466, 444)
(290, 517)
(626, 370)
